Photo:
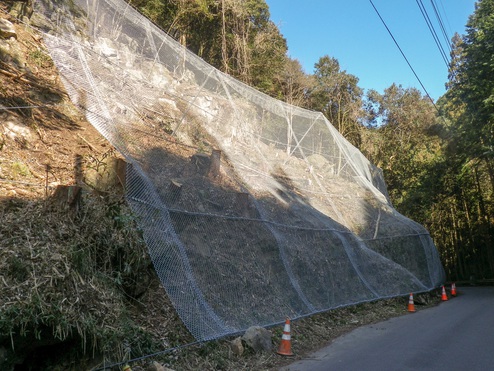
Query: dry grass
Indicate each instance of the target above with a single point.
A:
(307, 336)
(63, 278)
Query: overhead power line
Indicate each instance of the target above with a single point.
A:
(446, 16)
(441, 24)
(432, 31)
(404, 56)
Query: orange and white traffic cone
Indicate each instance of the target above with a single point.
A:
(411, 306)
(444, 297)
(453, 289)
(285, 348)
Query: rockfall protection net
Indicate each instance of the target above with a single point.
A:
(253, 210)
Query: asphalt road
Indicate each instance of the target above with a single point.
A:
(458, 334)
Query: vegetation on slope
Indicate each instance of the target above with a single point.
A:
(66, 284)
(75, 273)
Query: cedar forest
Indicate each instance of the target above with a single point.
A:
(437, 159)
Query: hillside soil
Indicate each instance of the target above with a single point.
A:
(74, 271)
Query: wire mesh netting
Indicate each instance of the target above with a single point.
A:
(252, 209)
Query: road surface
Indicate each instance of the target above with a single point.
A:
(458, 334)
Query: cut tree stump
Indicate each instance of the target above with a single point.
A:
(243, 205)
(78, 169)
(174, 191)
(121, 172)
(68, 196)
(207, 165)
(215, 162)
(108, 176)
(202, 162)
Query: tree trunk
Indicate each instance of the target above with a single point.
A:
(224, 50)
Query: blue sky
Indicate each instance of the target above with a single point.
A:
(351, 32)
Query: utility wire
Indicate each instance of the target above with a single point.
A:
(432, 31)
(441, 24)
(450, 29)
(446, 16)
(404, 56)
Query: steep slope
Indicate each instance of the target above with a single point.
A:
(77, 276)
(252, 209)
(73, 275)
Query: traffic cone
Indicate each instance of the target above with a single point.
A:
(444, 297)
(453, 289)
(285, 348)
(411, 306)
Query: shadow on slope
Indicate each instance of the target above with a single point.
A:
(256, 260)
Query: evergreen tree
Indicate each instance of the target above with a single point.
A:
(337, 95)
(404, 144)
(464, 207)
